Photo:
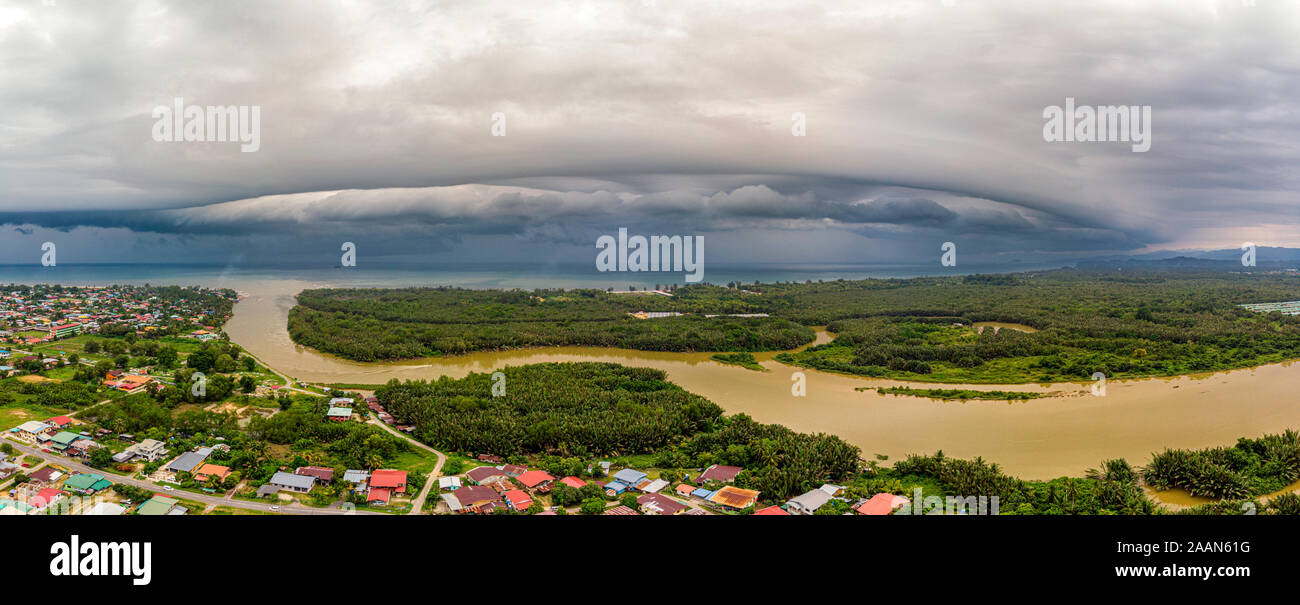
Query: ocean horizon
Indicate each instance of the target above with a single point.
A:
(469, 275)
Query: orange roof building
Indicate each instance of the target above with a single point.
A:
(882, 504)
(211, 470)
(734, 497)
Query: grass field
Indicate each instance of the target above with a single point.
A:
(234, 510)
(18, 412)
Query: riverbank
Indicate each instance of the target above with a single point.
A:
(1039, 439)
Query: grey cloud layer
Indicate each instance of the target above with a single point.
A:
(922, 119)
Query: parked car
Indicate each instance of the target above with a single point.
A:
(169, 488)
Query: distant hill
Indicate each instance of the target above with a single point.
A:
(1267, 258)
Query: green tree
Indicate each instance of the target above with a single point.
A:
(101, 457)
(592, 506)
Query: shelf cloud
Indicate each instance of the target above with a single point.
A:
(528, 129)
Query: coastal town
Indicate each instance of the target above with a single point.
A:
(62, 465)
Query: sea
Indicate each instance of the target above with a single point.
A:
(466, 275)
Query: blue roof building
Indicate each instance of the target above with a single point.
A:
(629, 477)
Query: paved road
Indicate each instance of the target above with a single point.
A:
(202, 498)
(418, 504)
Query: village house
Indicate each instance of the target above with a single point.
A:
(357, 478)
(659, 504)
(295, 483)
(187, 462)
(484, 475)
(86, 483)
(62, 440)
(338, 414)
(772, 511)
(882, 504)
(536, 480)
(45, 476)
(573, 482)
(653, 487)
(31, 429)
(835, 491)
(35, 494)
(383, 484)
(149, 450)
(208, 471)
(808, 502)
(82, 447)
(719, 473)
(624, 480)
(472, 499)
(734, 498)
(161, 505)
(517, 500)
(130, 383)
(322, 474)
(447, 484)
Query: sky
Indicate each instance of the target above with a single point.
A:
(820, 132)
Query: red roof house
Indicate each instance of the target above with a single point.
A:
(882, 504)
(60, 421)
(533, 479)
(518, 500)
(322, 474)
(573, 482)
(379, 494)
(395, 480)
(718, 472)
(45, 496)
(773, 510)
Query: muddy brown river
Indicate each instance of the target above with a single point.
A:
(1036, 439)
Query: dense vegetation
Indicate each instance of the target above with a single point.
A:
(1252, 467)
(1113, 489)
(601, 409)
(1125, 322)
(778, 462)
(369, 339)
(958, 394)
(1118, 323)
(744, 360)
(580, 408)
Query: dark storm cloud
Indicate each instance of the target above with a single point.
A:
(922, 120)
